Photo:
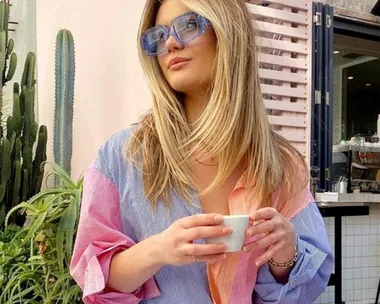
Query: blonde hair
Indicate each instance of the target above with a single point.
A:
(233, 126)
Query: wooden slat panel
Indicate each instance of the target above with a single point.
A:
(282, 45)
(287, 121)
(299, 137)
(285, 106)
(283, 61)
(283, 76)
(300, 4)
(287, 31)
(293, 121)
(303, 152)
(283, 91)
(277, 14)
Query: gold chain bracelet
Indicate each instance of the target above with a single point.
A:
(287, 264)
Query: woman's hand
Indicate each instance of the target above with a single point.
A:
(177, 241)
(277, 234)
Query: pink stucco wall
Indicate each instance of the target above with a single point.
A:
(110, 91)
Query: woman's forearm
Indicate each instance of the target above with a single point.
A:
(131, 268)
(282, 274)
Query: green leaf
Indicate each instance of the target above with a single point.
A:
(58, 170)
(60, 244)
(20, 206)
(36, 224)
(20, 275)
(65, 234)
(61, 283)
(48, 192)
(25, 292)
(72, 295)
(70, 222)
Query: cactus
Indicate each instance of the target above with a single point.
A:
(39, 159)
(20, 174)
(64, 99)
(12, 67)
(4, 16)
(6, 47)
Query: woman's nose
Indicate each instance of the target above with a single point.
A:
(173, 45)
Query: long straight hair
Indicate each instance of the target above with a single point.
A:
(233, 126)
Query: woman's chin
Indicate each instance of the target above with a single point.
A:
(183, 86)
(185, 83)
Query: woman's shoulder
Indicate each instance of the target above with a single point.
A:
(110, 157)
(117, 140)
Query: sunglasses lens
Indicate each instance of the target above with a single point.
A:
(187, 27)
(153, 41)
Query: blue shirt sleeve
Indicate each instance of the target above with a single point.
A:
(310, 275)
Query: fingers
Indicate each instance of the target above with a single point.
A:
(209, 253)
(208, 219)
(265, 242)
(268, 254)
(263, 214)
(265, 227)
(203, 232)
(199, 250)
(207, 258)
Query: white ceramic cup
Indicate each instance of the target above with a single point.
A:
(234, 241)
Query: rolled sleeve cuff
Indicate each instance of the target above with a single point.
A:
(308, 263)
(310, 260)
(96, 278)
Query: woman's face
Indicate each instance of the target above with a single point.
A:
(194, 71)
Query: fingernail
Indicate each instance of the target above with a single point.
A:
(222, 247)
(258, 263)
(249, 233)
(227, 230)
(245, 249)
(224, 256)
(218, 218)
(212, 263)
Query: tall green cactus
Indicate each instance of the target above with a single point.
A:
(20, 174)
(7, 66)
(64, 99)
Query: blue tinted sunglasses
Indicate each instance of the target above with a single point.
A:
(184, 29)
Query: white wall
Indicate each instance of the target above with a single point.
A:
(110, 91)
(360, 258)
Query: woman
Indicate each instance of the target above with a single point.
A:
(155, 192)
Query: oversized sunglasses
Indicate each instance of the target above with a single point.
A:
(184, 28)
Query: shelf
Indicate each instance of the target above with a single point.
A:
(346, 148)
(366, 166)
(329, 197)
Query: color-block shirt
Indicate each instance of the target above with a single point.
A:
(115, 215)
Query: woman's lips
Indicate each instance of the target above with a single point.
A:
(177, 62)
(179, 65)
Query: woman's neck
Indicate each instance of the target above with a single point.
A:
(195, 105)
